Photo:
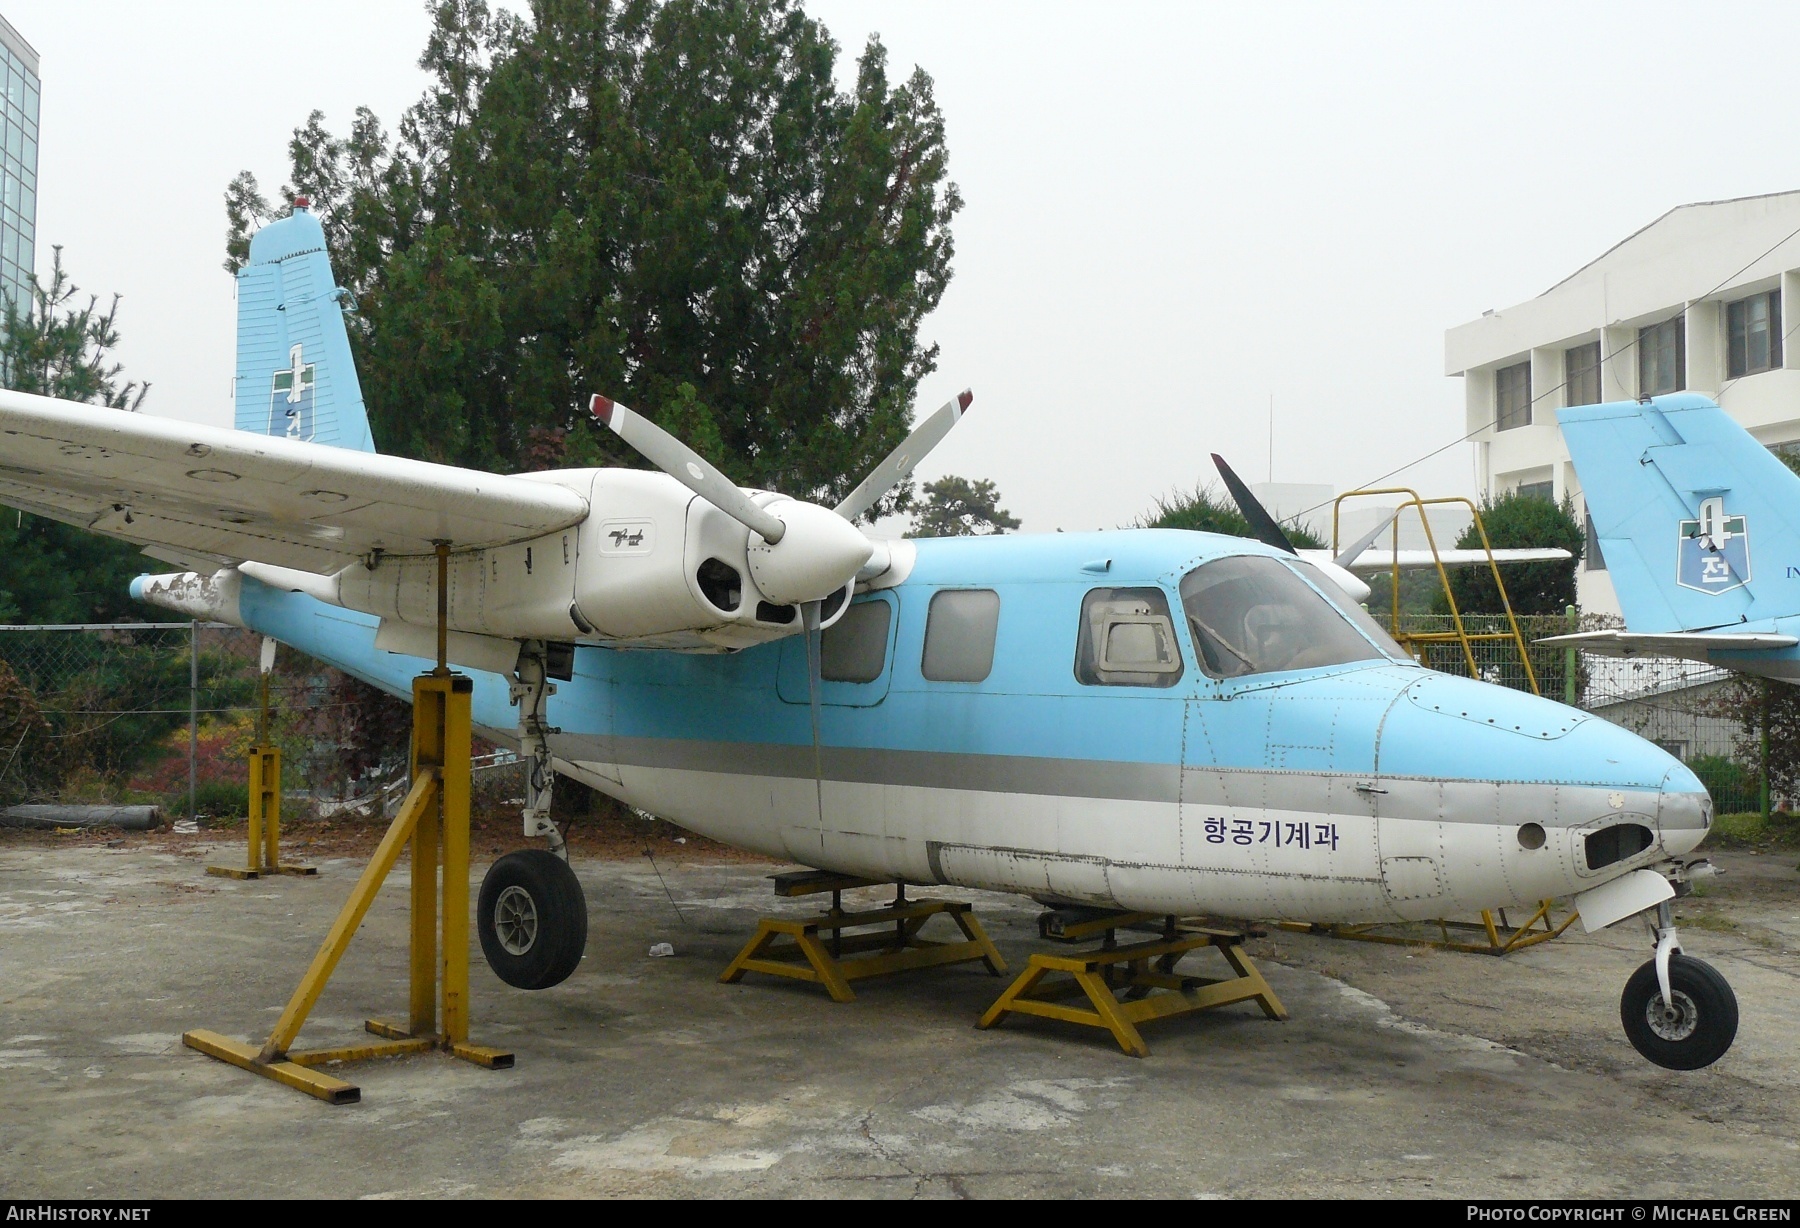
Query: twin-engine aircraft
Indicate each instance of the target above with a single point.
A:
(1152, 720)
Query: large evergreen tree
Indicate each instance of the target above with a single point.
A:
(1519, 521)
(57, 345)
(668, 201)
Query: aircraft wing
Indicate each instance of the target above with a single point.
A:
(209, 494)
(1410, 560)
(1693, 644)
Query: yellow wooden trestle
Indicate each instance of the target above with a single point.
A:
(1129, 984)
(1502, 937)
(794, 947)
(435, 819)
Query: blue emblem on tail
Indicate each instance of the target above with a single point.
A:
(1713, 554)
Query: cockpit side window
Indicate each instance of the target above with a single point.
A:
(1251, 614)
(1127, 639)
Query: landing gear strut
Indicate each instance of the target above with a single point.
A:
(532, 913)
(1677, 1011)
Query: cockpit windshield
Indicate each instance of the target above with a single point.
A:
(1251, 614)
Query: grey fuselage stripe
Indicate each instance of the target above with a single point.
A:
(1325, 793)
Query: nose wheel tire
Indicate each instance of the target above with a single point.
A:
(532, 918)
(1693, 1030)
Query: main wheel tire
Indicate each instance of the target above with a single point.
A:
(532, 917)
(1696, 1030)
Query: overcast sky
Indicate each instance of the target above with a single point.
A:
(1175, 211)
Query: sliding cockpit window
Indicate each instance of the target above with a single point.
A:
(1251, 614)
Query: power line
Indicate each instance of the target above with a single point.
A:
(1626, 348)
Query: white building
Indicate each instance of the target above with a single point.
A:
(1692, 301)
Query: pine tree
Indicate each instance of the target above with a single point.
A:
(957, 507)
(668, 201)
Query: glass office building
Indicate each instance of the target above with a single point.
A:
(18, 164)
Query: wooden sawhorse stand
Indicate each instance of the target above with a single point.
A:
(1143, 972)
(822, 960)
(435, 810)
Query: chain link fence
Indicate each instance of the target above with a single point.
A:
(165, 713)
(1690, 709)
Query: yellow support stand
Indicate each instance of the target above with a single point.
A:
(264, 852)
(435, 818)
(1143, 972)
(897, 947)
(1502, 938)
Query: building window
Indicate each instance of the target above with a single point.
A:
(1590, 551)
(959, 635)
(1754, 327)
(1662, 358)
(1537, 490)
(1581, 374)
(1512, 396)
(1126, 639)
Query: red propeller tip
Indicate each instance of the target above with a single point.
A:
(963, 398)
(601, 407)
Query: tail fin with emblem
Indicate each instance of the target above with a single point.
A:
(295, 377)
(1698, 523)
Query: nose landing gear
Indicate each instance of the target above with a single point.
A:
(1677, 1011)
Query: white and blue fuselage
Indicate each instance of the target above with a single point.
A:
(1367, 790)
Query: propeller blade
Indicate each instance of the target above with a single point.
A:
(885, 476)
(1262, 525)
(684, 465)
(1354, 550)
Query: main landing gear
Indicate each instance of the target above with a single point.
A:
(1677, 1011)
(532, 914)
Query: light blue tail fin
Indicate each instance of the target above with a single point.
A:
(1699, 524)
(295, 377)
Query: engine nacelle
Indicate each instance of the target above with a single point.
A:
(652, 566)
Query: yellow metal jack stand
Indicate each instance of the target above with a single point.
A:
(1150, 987)
(1502, 938)
(822, 961)
(434, 817)
(264, 852)
(265, 821)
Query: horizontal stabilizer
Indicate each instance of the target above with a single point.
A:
(1691, 644)
(201, 493)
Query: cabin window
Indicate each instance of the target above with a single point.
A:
(1251, 614)
(854, 649)
(959, 635)
(1126, 639)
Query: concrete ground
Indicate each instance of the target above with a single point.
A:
(1401, 1072)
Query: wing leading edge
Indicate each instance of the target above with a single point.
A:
(190, 491)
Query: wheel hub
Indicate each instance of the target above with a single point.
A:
(516, 921)
(1672, 1021)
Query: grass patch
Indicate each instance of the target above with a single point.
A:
(1749, 829)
